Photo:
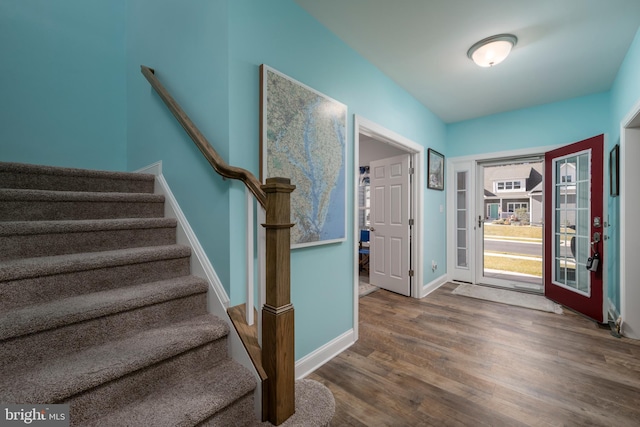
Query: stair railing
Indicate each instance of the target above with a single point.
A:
(277, 326)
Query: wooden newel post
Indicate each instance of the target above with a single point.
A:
(277, 314)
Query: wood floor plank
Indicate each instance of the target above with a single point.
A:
(449, 360)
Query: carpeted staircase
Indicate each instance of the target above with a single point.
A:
(98, 308)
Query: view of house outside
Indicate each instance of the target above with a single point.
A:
(513, 221)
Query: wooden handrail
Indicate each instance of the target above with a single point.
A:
(277, 355)
(214, 159)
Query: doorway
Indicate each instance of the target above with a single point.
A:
(492, 196)
(373, 154)
(510, 217)
(372, 143)
(574, 216)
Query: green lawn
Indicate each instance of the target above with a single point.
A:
(513, 231)
(524, 266)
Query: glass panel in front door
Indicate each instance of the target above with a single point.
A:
(571, 222)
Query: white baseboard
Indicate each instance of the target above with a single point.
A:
(200, 264)
(217, 300)
(433, 285)
(322, 355)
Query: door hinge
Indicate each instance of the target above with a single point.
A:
(411, 171)
(410, 222)
(410, 273)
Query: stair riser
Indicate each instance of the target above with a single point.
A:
(240, 413)
(43, 210)
(34, 348)
(74, 183)
(37, 245)
(100, 400)
(19, 293)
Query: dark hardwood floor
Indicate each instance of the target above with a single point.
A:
(449, 360)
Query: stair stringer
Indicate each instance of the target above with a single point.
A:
(217, 300)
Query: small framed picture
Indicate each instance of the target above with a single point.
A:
(614, 171)
(435, 166)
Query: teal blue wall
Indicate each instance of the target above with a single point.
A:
(73, 95)
(282, 35)
(62, 83)
(562, 122)
(186, 42)
(625, 94)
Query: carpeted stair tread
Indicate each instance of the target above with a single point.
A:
(56, 380)
(189, 402)
(42, 205)
(44, 266)
(12, 228)
(20, 175)
(31, 239)
(13, 194)
(75, 309)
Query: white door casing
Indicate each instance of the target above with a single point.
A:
(390, 231)
(629, 225)
(461, 236)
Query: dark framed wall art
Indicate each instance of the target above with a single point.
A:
(614, 171)
(435, 166)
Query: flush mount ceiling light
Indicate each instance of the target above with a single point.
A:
(492, 50)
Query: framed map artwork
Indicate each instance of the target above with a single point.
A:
(303, 138)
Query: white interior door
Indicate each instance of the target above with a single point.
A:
(390, 231)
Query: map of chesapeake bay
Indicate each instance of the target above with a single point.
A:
(306, 143)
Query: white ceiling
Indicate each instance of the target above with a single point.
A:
(566, 48)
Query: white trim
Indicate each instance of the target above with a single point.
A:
(369, 128)
(628, 229)
(218, 300)
(433, 285)
(200, 264)
(606, 247)
(322, 355)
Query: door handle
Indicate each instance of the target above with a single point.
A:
(372, 229)
(596, 240)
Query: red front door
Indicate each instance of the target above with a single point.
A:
(574, 222)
